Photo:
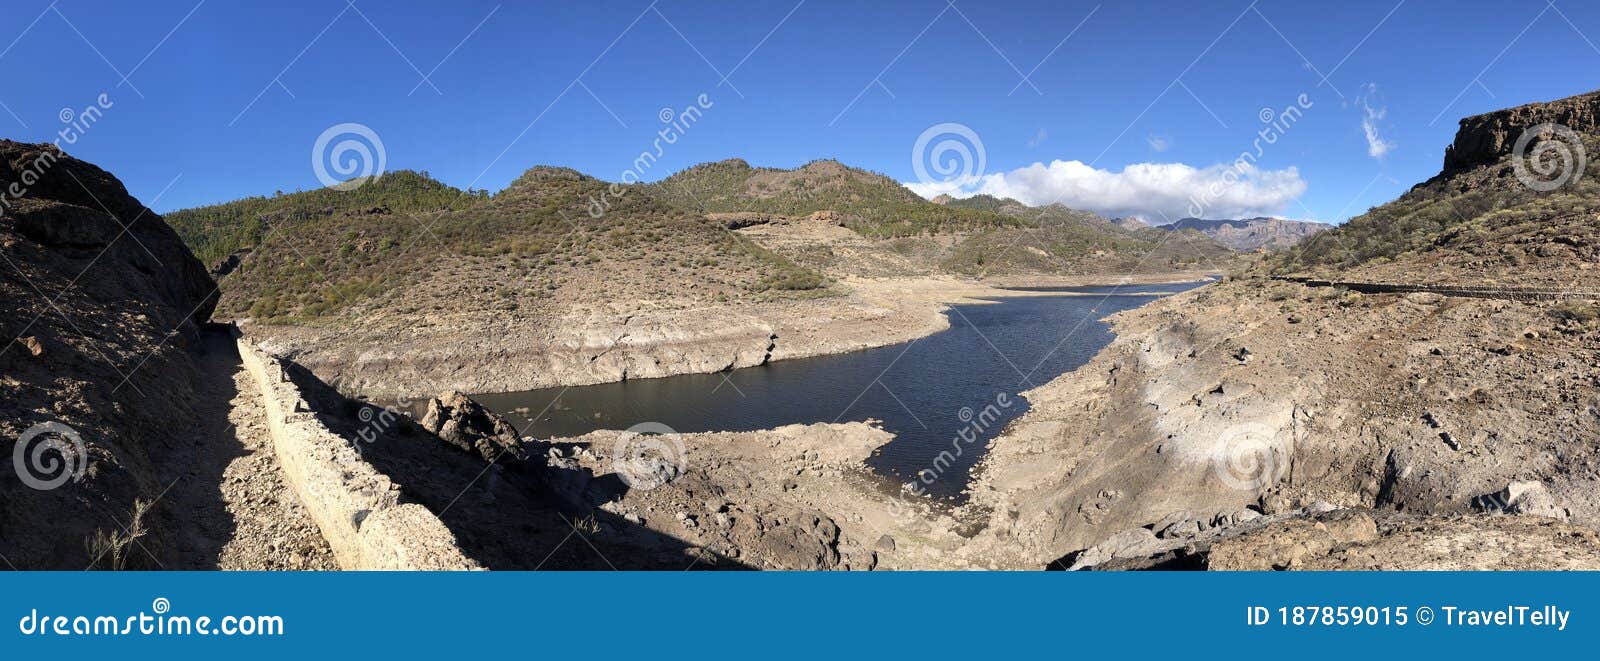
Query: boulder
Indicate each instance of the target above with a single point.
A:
(1175, 525)
(32, 344)
(1526, 498)
(466, 424)
(809, 540)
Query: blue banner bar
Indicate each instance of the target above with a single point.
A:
(794, 615)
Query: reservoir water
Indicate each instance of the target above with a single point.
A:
(954, 389)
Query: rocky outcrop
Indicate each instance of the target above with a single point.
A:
(736, 220)
(1487, 138)
(1252, 233)
(1463, 388)
(99, 306)
(229, 264)
(466, 424)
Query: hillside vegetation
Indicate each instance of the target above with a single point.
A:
(405, 243)
(872, 204)
(216, 231)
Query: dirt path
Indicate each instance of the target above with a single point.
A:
(227, 499)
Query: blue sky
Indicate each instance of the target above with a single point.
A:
(226, 99)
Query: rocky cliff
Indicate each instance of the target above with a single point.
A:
(1487, 138)
(99, 305)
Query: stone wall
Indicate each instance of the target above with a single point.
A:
(357, 508)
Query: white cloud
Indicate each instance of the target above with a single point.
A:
(1159, 143)
(1156, 192)
(1377, 147)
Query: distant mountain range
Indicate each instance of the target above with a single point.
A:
(1241, 235)
(1061, 239)
(1253, 233)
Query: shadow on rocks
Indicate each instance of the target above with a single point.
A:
(512, 504)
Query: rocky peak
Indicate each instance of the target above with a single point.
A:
(825, 167)
(1487, 138)
(68, 206)
(549, 173)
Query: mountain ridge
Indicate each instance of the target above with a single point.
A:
(1247, 234)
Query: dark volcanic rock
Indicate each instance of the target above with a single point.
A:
(1487, 138)
(63, 203)
(230, 263)
(809, 541)
(466, 424)
(101, 302)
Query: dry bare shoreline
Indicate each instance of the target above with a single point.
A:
(1134, 460)
(482, 352)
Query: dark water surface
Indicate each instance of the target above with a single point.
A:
(943, 396)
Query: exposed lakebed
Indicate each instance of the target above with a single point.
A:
(950, 392)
